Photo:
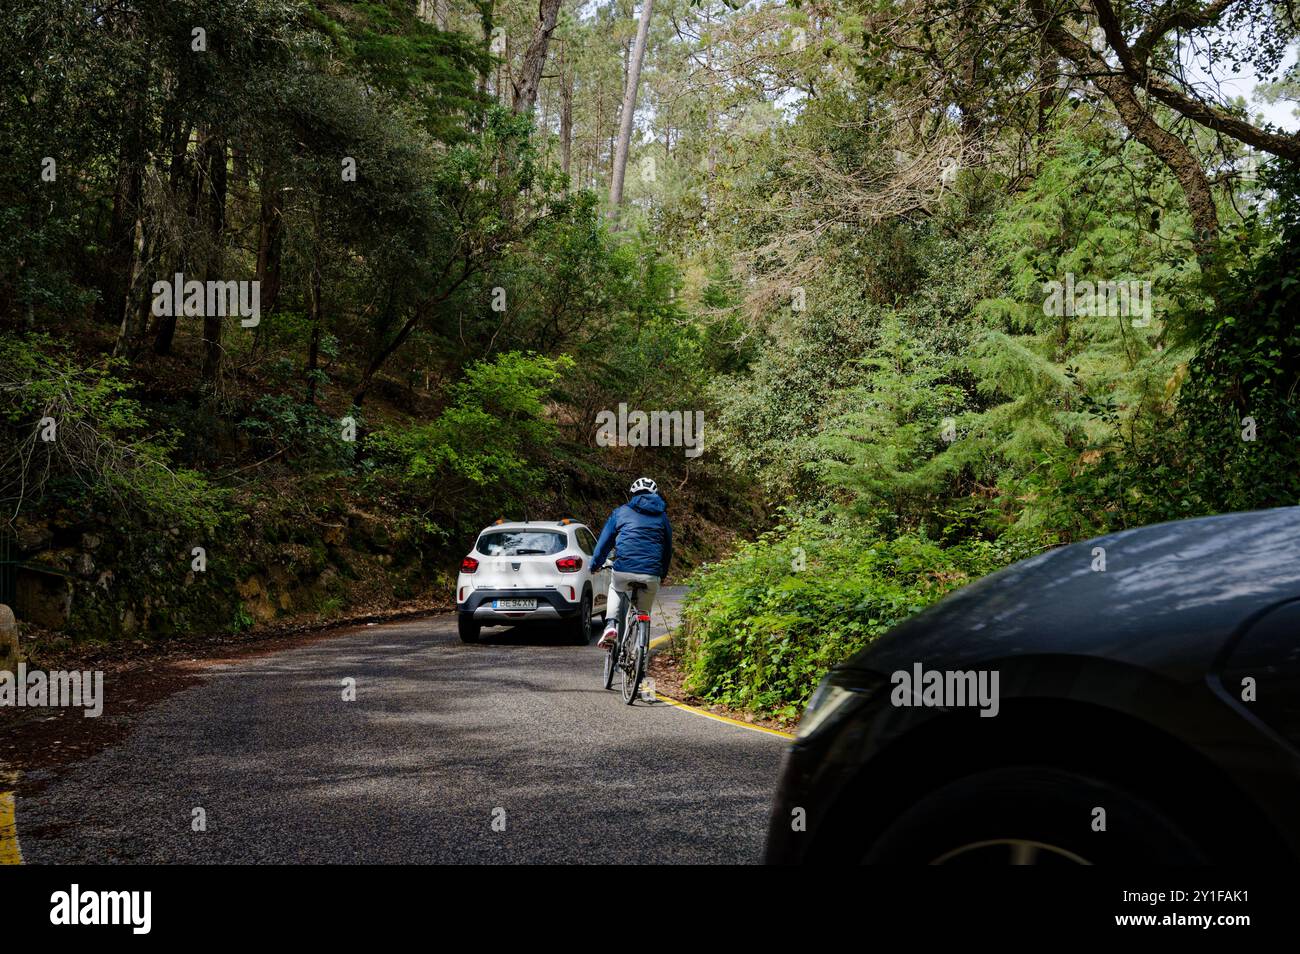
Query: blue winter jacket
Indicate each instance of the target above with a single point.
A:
(644, 536)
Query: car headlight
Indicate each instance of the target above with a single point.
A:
(833, 694)
(837, 692)
(826, 701)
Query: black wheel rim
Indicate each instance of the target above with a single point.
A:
(1010, 851)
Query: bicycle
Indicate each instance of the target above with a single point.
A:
(630, 652)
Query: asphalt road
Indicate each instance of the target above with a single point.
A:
(442, 741)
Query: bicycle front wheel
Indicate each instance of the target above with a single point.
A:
(611, 664)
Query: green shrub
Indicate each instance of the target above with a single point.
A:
(299, 431)
(483, 451)
(104, 450)
(763, 626)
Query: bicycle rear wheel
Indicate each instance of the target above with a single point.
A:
(634, 667)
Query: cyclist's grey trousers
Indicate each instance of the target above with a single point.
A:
(618, 583)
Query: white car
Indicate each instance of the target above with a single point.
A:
(537, 571)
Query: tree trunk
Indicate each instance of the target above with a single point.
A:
(712, 166)
(314, 306)
(1168, 148)
(130, 331)
(270, 240)
(114, 289)
(144, 295)
(121, 241)
(381, 357)
(1048, 74)
(134, 330)
(629, 109)
(214, 175)
(566, 123)
(530, 71)
(593, 154)
(485, 20)
(1173, 152)
(115, 283)
(165, 329)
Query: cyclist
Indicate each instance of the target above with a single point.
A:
(644, 538)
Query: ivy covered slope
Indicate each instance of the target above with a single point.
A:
(765, 624)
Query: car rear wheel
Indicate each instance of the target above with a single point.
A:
(580, 625)
(468, 628)
(1033, 815)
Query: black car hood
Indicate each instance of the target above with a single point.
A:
(1169, 597)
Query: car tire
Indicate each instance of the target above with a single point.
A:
(1034, 814)
(468, 628)
(580, 626)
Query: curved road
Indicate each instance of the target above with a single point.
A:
(443, 744)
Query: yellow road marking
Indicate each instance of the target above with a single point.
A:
(666, 638)
(10, 853)
(721, 718)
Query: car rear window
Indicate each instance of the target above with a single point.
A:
(520, 542)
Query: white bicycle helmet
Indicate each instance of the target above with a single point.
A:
(646, 484)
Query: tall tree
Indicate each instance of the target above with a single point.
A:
(530, 71)
(212, 169)
(566, 118)
(629, 109)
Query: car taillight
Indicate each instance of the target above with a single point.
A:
(468, 565)
(569, 564)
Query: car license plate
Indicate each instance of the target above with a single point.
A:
(514, 604)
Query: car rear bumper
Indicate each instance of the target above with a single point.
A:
(551, 605)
